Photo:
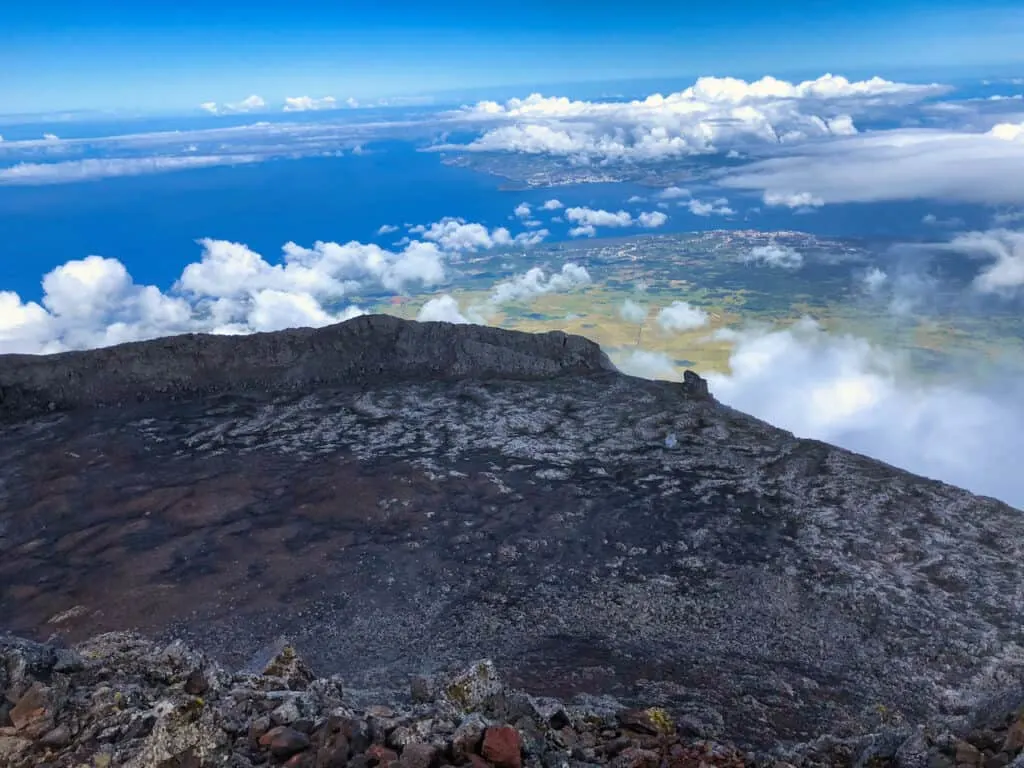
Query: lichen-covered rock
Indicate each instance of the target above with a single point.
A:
(290, 668)
(472, 688)
(127, 705)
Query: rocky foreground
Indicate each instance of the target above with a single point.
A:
(120, 700)
(398, 498)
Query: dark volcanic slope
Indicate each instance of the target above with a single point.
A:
(460, 492)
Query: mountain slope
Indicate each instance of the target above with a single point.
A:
(396, 496)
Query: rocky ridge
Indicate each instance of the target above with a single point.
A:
(399, 498)
(368, 349)
(121, 700)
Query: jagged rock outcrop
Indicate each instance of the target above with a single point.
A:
(591, 532)
(121, 700)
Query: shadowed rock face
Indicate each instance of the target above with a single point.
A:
(496, 494)
(368, 349)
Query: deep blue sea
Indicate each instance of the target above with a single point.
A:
(151, 222)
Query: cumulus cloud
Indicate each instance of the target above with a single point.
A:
(309, 104)
(1008, 132)
(536, 282)
(899, 164)
(633, 312)
(1005, 250)
(651, 219)
(249, 104)
(523, 210)
(849, 392)
(442, 309)
(583, 230)
(71, 171)
(715, 114)
(673, 193)
(530, 239)
(456, 234)
(51, 137)
(681, 316)
(598, 217)
(230, 289)
(781, 256)
(718, 207)
(386, 229)
(552, 205)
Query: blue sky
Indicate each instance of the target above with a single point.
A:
(112, 54)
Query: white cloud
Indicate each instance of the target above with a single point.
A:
(845, 391)
(442, 309)
(386, 229)
(1008, 132)
(456, 234)
(584, 230)
(529, 239)
(682, 316)
(672, 193)
(249, 104)
(51, 137)
(523, 210)
(552, 205)
(633, 312)
(232, 289)
(645, 364)
(651, 219)
(713, 115)
(719, 207)
(900, 164)
(68, 172)
(598, 217)
(873, 279)
(309, 104)
(535, 282)
(775, 256)
(1005, 248)
(792, 199)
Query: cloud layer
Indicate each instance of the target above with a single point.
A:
(900, 164)
(713, 115)
(846, 391)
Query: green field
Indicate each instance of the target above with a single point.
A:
(712, 271)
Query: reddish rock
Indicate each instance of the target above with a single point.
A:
(301, 760)
(503, 747)
(378, 754)
(31, 707)
(284, 742)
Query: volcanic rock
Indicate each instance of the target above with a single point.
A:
(401, 499)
